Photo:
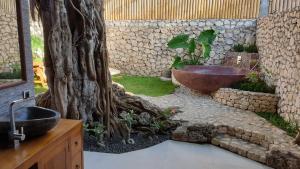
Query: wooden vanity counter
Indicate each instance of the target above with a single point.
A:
(60, 148)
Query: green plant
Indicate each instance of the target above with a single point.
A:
(129, 118)
(251, 49)
(253, 77)
(254, 83)
(245, 48)
(290, 127)
(238, 48)
(157, 126)
(183, 41)
(97, 130)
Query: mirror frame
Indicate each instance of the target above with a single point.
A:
(22, 11)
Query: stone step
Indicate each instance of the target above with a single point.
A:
(254, 137)
(244, 148)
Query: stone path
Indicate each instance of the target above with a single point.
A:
(239, 131)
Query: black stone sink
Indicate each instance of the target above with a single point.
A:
(36, 121)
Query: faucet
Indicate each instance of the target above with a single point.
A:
(15, 135)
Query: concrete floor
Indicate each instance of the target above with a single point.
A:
(171, 155)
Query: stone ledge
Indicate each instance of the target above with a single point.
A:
(245, 100)
(274, 152)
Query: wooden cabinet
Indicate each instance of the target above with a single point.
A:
(61, 148)
(57, 158)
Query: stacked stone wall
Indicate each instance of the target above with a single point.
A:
(278, 40)
(9, 42)
(252, 101)
(140, 47)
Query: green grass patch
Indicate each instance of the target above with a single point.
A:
(278, 121)
(149, 86)
(37, 43)
(39, 89)
(38, 59)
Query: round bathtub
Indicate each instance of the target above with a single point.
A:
(208, 79)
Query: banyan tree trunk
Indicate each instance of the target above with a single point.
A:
(76, 63)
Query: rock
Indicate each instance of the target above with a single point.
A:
(283, 160)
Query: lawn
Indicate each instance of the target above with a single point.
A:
(149, 86)
(278, 121)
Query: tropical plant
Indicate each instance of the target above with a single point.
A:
(97, 130)
(183, 41)
(129, 118)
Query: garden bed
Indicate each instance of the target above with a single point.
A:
(246, 100)
(117, 147)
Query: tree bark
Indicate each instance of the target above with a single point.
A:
(76, 63)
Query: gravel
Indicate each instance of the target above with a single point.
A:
(116, 146)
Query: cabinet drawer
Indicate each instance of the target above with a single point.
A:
(77, 161)
(76, 144)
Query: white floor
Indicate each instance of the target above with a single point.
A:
(171, 155)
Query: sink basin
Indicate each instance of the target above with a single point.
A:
(35, 121)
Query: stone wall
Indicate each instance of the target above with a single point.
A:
(140, 47)
(252, 101)
(278, 40)
(36, 28)
(9, 42)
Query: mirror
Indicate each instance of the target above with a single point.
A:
(10, 57)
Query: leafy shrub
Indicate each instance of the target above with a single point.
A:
(254, 83)
(251, 49)
(245, 48)
(238, 48)
(183, 41)
(129, 118)
(97, 130)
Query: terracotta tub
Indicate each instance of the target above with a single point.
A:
(208, 79)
